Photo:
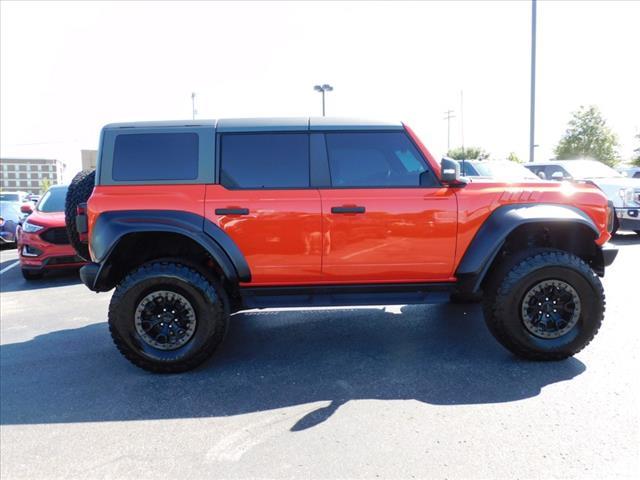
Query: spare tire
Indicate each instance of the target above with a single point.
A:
(79, 192)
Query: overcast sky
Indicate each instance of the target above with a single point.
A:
(69, 68)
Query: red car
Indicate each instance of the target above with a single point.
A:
(43, 243)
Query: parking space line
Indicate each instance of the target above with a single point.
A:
(6, 269)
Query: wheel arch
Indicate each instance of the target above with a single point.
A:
(122, 240)
(513, 228)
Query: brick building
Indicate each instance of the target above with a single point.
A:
(27, 174)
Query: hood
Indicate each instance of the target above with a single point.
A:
(611, 187)
(47, 219)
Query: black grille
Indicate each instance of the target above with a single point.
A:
(56, 235)
(64, 260)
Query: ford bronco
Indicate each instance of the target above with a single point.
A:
(192, 221)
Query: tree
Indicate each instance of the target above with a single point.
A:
(45, 183)
(588, 136)
(469, 153)
(514, 158)
(636, 159)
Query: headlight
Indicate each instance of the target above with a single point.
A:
(626, 194)
(31, 227)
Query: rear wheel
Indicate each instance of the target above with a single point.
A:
(547, 306)
(166, 317)
(79, 191)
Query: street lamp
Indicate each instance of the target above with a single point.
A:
(323, 88)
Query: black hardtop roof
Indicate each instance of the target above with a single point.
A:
(268, 124)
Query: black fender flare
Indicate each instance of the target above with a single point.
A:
(111, 227)
(491, 236)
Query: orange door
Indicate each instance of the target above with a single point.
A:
(398, 235)
(265, 204)
(386, 217)
(278, 231)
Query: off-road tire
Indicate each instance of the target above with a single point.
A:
(31, 275)
(207, 297)
(505, 293)
(79, 192)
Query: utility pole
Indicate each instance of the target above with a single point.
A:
(532, 116)
(193, 105)
(462, 122)
(448, 116)
(322, 89)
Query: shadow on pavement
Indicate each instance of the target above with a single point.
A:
(439, 354)
(625, 239)
(54, 278)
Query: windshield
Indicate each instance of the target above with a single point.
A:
(10, 197)
(53, 200)
(504, 170)
(589, 169)
(9, 211)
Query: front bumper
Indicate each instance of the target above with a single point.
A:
(628, 218)
(45, 255)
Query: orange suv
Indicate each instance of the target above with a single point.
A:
(191, 221)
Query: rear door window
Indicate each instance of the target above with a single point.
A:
(155, 156)
(374, 159)
(264, 160)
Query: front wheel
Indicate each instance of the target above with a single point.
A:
(548, 306)
(166, 317)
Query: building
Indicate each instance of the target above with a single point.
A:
(89, 159)
(27, 174)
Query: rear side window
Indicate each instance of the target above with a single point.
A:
(155, 156)
(376, 159)
(264, 160)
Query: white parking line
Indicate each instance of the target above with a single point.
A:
(6, 269)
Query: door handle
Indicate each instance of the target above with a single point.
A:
(347, 209)
(232, 211)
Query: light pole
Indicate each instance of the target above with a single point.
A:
(448, 116)
(532, 114)
(193, 105)
(322, 89)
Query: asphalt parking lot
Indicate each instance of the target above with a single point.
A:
(398, 392)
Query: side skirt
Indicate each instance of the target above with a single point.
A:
(345, 295)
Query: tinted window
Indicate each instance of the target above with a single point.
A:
(156, 156)
(53, 200)
(278, 160)
(379, 159)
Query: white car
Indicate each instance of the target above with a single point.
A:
(623, 191)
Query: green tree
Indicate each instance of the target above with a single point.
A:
(45, 183)
(514, 158)
(469, 153)
(588, 136)
(636, 159)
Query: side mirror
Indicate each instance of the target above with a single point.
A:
(26, 208)
(450, 172)
(557, 176)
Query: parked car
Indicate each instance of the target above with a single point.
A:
(18, 197)
(10, 219)
(623, 191)
(633, 172)
(180, 217)
(43, 243)
(503, 170)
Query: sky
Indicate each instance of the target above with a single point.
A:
(68, 68)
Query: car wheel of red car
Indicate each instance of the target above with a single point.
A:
(79, 192)
(166, 317)
(547, 306)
